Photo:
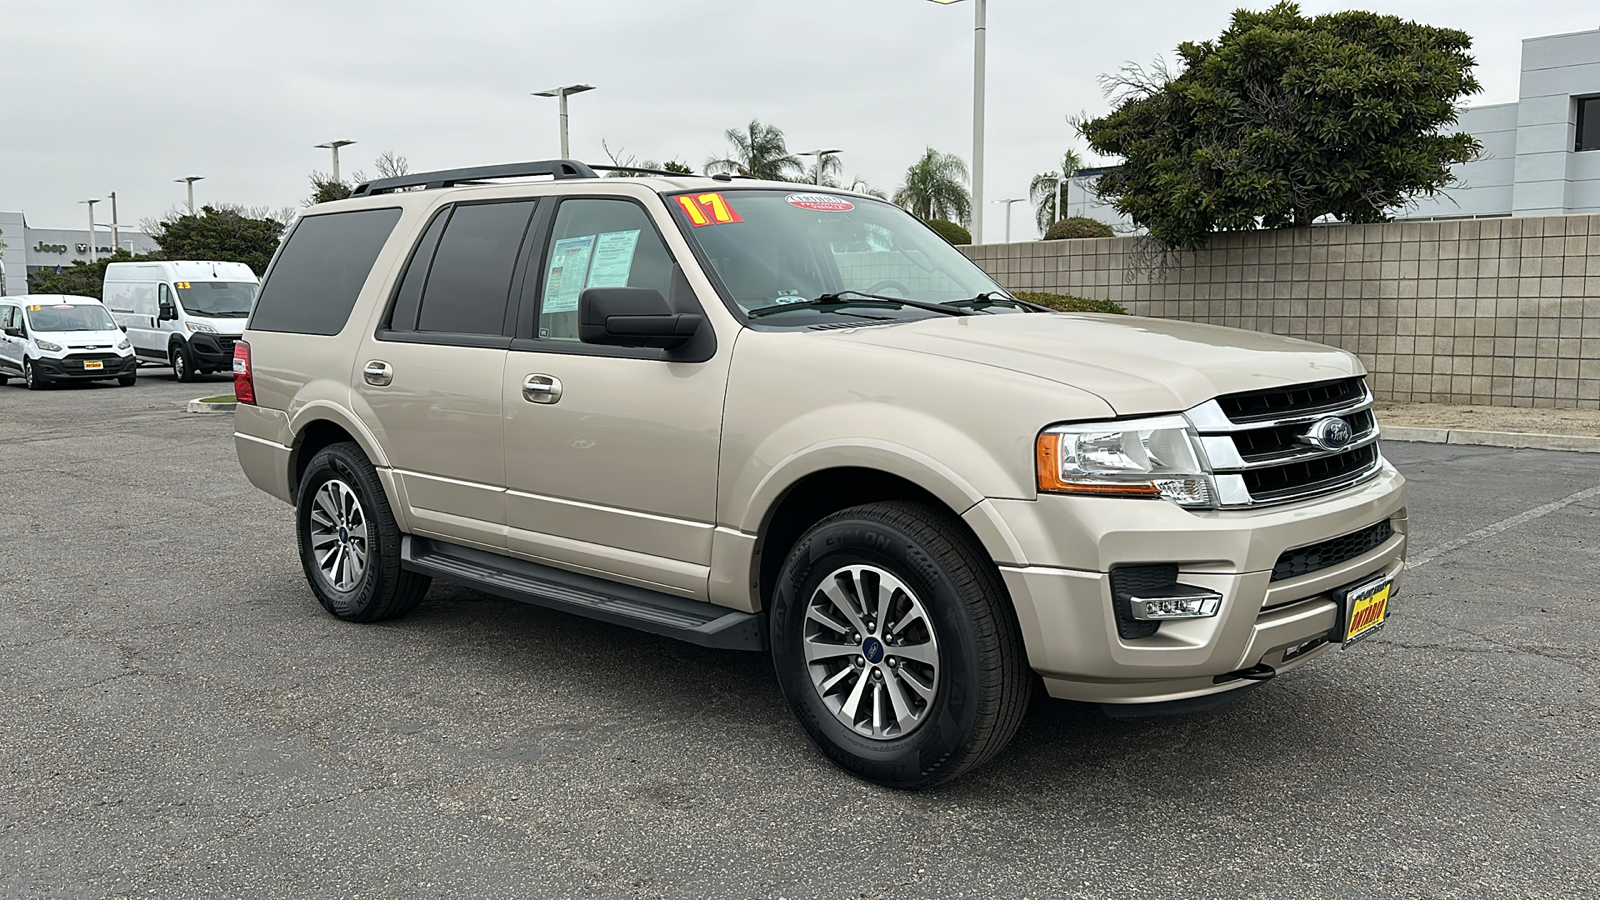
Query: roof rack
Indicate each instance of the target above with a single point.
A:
(559, 168)
(644, 171)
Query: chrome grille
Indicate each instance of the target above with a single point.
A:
(1259, 444)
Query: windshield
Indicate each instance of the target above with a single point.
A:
(775, 247)
(216, 299)
(69, 317)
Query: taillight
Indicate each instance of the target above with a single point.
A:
(244, 385)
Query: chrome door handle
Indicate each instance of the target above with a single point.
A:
(378, 373)
(541, 389)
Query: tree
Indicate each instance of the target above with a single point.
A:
(759, 151)
(860, 185)
(1284, 119)
(1042, 189)
(935, 188)
(831, 168)
(324, 188)
(221, 234)
(630, 165)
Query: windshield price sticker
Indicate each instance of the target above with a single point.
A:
(35, 308)
(820, 202)
(708, 209)
(183, 285)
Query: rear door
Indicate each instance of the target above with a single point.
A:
(429, 379)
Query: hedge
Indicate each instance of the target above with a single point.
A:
(1078, 227)
(1068, 303)
(950, 231)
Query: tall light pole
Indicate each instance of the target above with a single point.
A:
(115, 244)
(334, 146)
(820, 155)
(189, 180)
(91, 203)
(979, 31)
(1008, 213)
(561, 94)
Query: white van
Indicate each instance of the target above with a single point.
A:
(181, 314)
(58, 337)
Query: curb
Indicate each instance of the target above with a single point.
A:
(1514, 439)
(201, 406)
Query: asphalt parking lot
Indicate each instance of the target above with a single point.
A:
(184, 720)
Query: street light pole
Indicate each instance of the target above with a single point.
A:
(115, 244)
(190, 180)
(334, 146)
(820, 155)
(980, 31)
(91, 203)
(561, 94)
(1008, 213)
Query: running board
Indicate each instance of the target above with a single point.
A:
(694, 621)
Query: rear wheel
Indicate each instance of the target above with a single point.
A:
(349, 541)
(894, 645)
(182, 365)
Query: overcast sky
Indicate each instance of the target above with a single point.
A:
(97, 96)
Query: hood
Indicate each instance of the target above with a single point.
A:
(83, 340)
(1137, 365)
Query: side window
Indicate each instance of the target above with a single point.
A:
(408, 297)
(469, 283)
(313, 285)
(597, 243)
(164, 294)
(6, 315)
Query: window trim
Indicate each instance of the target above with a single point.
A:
(1589, 104)
(513, 289)
(526, 336)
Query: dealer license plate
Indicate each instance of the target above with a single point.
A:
(1366, 609)
(93, 364)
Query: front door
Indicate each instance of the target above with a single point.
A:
(10, 347)
(611, 453)
(429, 380)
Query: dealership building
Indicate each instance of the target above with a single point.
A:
(1541, 154)
(27, 249)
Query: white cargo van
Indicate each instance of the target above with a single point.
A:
(181, 314)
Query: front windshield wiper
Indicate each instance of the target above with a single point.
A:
(992, 298)
(837, 299)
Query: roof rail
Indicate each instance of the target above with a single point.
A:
(559, 168)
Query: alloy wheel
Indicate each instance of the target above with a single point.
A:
(339, 535)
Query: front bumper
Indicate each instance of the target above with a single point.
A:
(1064, 548)
(212, 351)
(70, 369)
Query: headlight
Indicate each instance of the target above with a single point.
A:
(123, 344)
(200, 327)
(1137, 458)
(46, 346)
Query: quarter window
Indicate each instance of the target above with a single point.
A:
(597, 243)
(1588, 123)
(320, 271)
(469, 282)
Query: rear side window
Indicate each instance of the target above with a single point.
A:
(319, 273)
(469, 283)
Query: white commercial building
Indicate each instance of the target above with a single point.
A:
(25, 249)
(1541, 154)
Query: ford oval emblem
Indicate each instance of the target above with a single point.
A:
(1332, 433)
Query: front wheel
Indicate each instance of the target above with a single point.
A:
(127, 380)
(31, 376)
(182, 366)
(349, 541)
(895, 647)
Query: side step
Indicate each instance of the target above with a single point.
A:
(620, 604)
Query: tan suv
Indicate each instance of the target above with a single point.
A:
(767, 416)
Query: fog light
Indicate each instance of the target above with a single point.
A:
(1184, 602)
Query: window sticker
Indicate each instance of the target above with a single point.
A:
(569, 266)
(708, 209)
(820, 202)
(613, 259)
(182, 285)
(35, 308)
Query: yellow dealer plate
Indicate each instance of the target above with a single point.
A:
(93, 364)
(1366, 609)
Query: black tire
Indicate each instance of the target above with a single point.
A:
(984, 684)
(127, 380)
(31, 377)
(182, 364)
(5, 380)
(383, 590)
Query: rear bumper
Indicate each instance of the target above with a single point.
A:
(73, 370)
(1061, 587)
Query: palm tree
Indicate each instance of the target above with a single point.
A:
(759, 151)
(935, 188)
(831, 168)
(1042, 190)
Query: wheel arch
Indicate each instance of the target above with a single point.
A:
(320, 425)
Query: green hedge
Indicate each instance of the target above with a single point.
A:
(950, 231)
(1068, 303)
(1077, 227)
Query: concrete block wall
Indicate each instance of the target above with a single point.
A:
(1502, 312)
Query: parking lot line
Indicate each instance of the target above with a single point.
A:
(1433, 553)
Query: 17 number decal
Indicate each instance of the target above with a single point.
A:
(708, 209)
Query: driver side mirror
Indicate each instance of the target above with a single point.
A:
(15, 331)
(633, 317)
(167, 314)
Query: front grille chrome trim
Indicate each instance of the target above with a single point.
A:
(1209, 418)
(1224, 455)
